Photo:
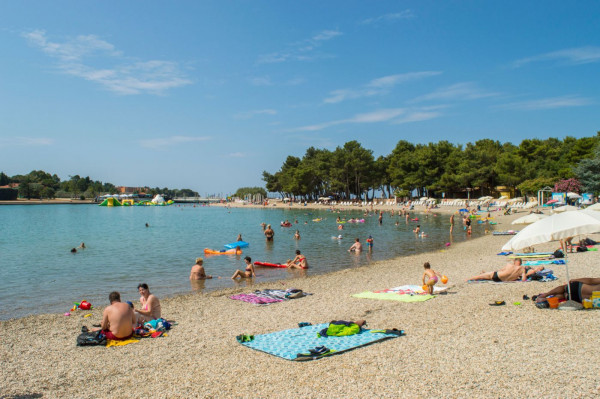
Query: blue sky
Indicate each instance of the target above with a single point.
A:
(208, 94)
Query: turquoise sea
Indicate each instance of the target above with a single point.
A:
(39, 274)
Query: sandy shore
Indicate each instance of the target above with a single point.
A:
(456, 344)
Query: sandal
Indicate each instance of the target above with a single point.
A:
(498, 303)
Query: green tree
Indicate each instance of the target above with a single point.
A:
(588, 173)
(4, 179)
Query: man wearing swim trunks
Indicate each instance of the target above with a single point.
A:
(511, 272)
(118, 318)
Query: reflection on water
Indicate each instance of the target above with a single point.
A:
(121, 251)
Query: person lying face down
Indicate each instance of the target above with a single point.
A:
(511, 272)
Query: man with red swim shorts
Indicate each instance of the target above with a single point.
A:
(118, 318)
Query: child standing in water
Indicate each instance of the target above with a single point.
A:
(432, 277)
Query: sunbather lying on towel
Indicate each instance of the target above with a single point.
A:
(581, 288)
(511, 272)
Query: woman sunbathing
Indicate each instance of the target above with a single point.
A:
(581, 288)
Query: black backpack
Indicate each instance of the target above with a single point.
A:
(91, 338)
(558, 254)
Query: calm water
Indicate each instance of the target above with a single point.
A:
(38, 274)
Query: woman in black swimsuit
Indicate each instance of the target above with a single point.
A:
(269, 233)
(581, 288)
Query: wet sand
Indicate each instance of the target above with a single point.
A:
(456, 344)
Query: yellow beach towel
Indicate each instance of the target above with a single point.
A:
(113, 342)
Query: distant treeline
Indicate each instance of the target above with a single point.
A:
(351, 171)
(39, 184)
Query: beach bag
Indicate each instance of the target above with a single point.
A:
(581, 249)
(340, 328)
(91, 338)
(558, 254)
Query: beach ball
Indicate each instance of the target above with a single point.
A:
(444, 279)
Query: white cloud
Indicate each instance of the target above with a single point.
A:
(76, 55)
(391, 17)
(25, 142)
(301, 51)
(392, 115)
(261, 81)
(549, 103)
(459, 91)
(571, 56)
(377, 86)
(163, 142)
(250, 114)
(325, 35)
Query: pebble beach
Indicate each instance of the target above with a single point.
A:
(456, 345)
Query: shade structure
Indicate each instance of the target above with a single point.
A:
(565, 208)
(531, 218)
(573, 195)
(554, 228)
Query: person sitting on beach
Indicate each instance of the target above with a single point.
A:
(430, 277)
(356, 247)
(150, 305)
(299, 262)
(297, 235)
(197, 272)
(581, 288)
(248, 272)
(117, 319)
(511, 272)
(269, 233)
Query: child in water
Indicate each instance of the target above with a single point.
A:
(432, 277)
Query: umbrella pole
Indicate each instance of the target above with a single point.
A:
(567, 270)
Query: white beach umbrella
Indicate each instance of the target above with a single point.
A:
(566, 208)
(573, 195)
(556, 227)
(531, 218)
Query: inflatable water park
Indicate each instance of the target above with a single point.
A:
(158, 200)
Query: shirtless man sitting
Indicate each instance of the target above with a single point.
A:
(511, 272)
(118, 318)
(356, 247)
(197, 272)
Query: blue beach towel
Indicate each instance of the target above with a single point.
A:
(289, 343)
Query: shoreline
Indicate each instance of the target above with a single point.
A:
(456, 344)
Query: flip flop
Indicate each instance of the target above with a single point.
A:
(498, 303)
(525, 297)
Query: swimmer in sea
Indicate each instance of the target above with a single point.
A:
(297, 235)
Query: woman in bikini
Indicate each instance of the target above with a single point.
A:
(269, 233)
(299, 262)
(248, 272)
(150, 305)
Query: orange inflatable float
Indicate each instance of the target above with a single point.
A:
(222, 252)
